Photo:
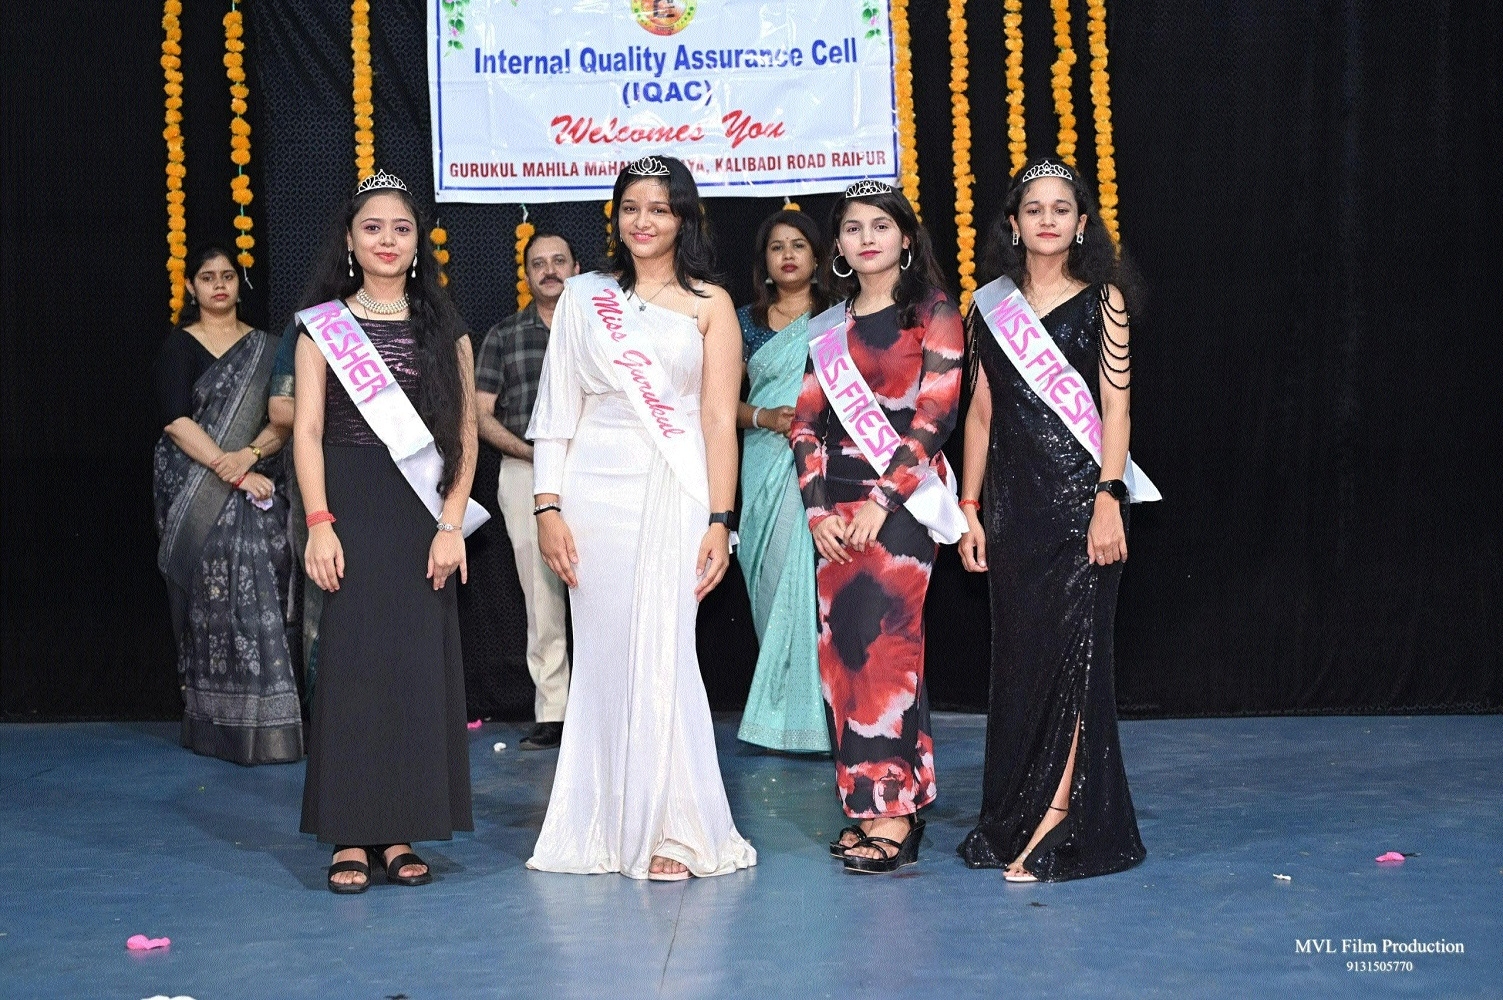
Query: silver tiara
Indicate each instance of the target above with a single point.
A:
(1046, 168)
(647, 166)
(867, 189)
(381, 181)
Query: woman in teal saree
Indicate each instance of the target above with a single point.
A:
(785, 708)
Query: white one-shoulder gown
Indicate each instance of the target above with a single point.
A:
(637, 771)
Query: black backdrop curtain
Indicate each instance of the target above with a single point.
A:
(1311, 191)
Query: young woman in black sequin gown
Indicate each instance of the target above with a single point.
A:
(1055, 802)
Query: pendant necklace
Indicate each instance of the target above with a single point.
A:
(643, 306)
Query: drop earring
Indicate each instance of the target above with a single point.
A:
(1080, 237)
(413, 273)
(349, 259)
(1014, 237)
(768, 280)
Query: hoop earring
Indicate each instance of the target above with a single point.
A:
(903, 266)
(837, 271)
(349, 259)
(1080, 237)
(413, 273)
(1014, 237)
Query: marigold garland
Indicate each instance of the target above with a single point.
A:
(908, 174)
(789, 205)
(610, 232)
(1064, 103)
(365, 123)
(440, 236)
(1017, 138)
(240, 130)
(177, 219)
(1101, 101)
(525, 231)
(965, 233)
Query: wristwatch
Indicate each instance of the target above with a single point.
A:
(725, 517)
(1116, 487)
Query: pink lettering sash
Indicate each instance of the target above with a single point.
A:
(374, 390)
(673, 426)
(1042, 364)
(933, 503)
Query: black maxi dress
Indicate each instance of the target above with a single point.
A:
(1053, 615)
(388, 753)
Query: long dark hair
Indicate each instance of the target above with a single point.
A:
(918, 282)
(436, 324)
(1095, 261)
(191, 312)
(694, 251)
(765, 291)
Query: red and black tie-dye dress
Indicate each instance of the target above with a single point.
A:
(871, 610)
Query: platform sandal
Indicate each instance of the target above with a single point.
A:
(837, 849)
(358, 867)
(395, 865)
(1056, 836)
(903, 854)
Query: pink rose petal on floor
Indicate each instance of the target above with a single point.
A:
(474, 725)
(1390, 858)
(140, 942)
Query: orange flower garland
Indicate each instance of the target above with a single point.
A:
(908, 174)
(525, 230)
(965, 233)
(1064, 104)
(177, 216)
(240, 130)
(610, 235)
(439, 236)
(1017, 139)
(789, 205)
(360, 45)
(1101, 101)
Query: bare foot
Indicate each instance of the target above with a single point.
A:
(406, 871)
(893, 828)
(666, 866)
(349, 878)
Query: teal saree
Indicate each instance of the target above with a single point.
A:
(785, 709)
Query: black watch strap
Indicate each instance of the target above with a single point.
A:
(1116, 487)
(725, 517)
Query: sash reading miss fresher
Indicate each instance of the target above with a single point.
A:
(374, 390)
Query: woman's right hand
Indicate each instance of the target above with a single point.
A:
(778, 419)
(973, 543)
(324, 557)
(556, 542)
(829, 538)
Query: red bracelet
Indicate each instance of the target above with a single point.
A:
(971, 503)
(320, 517)
(237, 482)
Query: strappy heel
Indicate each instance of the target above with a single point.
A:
(837, 849)
(358, 867)
(1057, 835)
(395, 865)
(903, 854)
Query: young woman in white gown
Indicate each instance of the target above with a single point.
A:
(635, 466)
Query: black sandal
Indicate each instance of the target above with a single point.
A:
(395, 865)
(837, 849)
(903, 854)
(360, 868)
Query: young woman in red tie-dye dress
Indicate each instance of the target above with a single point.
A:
(874, 557)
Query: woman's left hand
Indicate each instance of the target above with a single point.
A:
(257, 486)
(713, 560)
(444, 556)
(865, 526)
(231, 465)
(1106, 539)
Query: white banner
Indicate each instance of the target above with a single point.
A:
(538, 101)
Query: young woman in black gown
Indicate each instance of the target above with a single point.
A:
(388, 757)
(1055, 803)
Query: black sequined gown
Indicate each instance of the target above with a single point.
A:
(1053, 614)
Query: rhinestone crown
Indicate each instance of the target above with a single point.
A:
(867, 189)
(381, 181)
(1047, 168)
(647, 166)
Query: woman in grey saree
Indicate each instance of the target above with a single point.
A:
(222, 521)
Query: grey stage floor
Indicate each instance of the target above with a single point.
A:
(111, 830)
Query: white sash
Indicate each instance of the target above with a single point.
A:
(1042, 364)
(641, 376)
(375, 392)
(933, 503)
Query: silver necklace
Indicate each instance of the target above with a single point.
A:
(1069, 289)
(643, 306)
(377, 306)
